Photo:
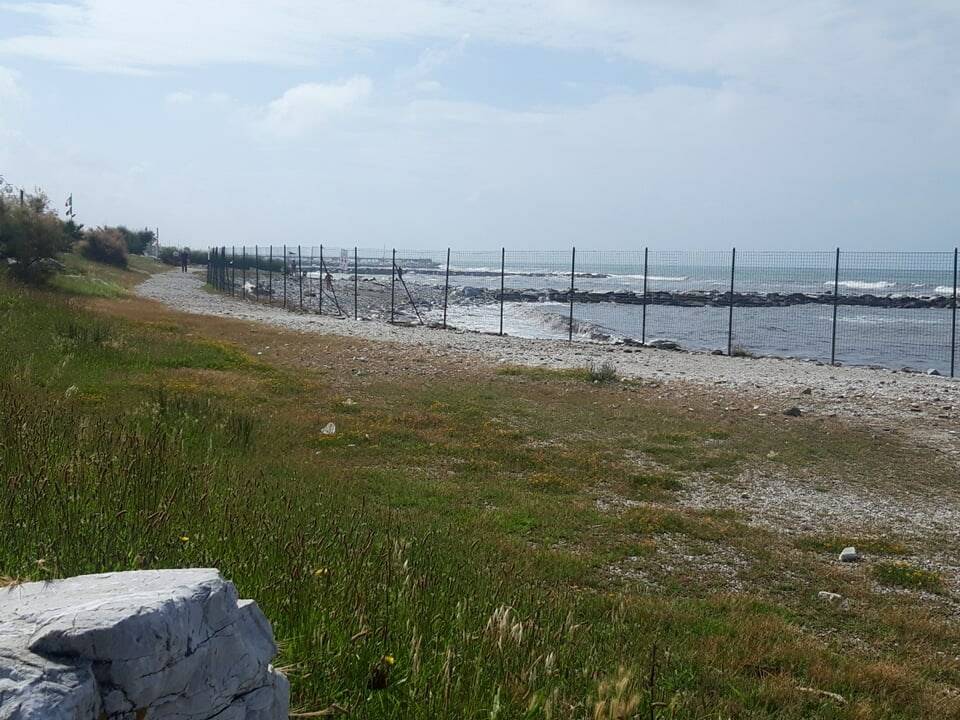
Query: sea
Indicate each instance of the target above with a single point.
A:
(921, 339)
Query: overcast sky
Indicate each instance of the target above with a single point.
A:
(481, 123)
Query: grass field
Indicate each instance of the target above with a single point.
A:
(505, 544)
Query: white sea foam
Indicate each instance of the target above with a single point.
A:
(655, 278)
(863, 284)
(943, 290)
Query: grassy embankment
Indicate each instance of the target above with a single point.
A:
(447, 543)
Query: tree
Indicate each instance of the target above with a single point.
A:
(31, 236)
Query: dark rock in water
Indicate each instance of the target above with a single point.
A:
(793, 412)
(630, 342)
(718, 352)
(933, 371)
(664, 345)
(907, 370)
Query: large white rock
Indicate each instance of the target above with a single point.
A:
(150, 644)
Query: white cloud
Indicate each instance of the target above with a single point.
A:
(304, 107)
(179, 98)
(9, 84)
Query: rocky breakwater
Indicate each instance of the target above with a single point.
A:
(144, 645)
(712, 298)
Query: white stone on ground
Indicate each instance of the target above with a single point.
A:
(153, 643)
(849, 554)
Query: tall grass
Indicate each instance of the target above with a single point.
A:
(379, 612)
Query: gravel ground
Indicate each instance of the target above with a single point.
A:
(925, 408)
(883, 398)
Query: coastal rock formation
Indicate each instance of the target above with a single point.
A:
(148, 644)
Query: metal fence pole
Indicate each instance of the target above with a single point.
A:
(270, 277)
(311, 263)
(446, 290)
(836, 305)
(300, 273)
(393, 281)
(233, 270)
(503, 267)
(356, 270)
(953, 333)
(643, 322)
(256, 259)
(733, 269)
(573, 267)
(286, 276)
(320, 293)
(243, 273)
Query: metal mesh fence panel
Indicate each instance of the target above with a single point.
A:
(688, 298)
(895, 309)
(783, 304)
(536, 287)
(608, 295)
(417, 286)
(473, 297)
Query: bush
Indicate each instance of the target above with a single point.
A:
(603, 373)
(137, 241)
(106, 245)
(31, 236)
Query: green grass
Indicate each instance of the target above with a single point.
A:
(451, 523)
(905, 575)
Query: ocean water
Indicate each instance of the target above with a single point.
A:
(918, 338)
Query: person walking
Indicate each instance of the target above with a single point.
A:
(184, 259)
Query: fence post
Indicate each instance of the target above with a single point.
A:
(953, 333)
(733, 269)
(233, 270)
(573, 267)
(270, 277)
(446, 290)
(256, 260)
(243, 273)
(836, 304)
(393, 281)
(643, 323)
(503, 266)
(320, 293)
(356, 270)
(300, 273)
(286, 276)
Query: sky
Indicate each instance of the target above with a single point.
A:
(476, 124)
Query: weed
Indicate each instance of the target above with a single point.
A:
(604, 372)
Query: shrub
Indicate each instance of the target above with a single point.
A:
(106, 245)
(137, 241)
(603, 373)
(31, 236)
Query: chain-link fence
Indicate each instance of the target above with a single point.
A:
(867, 308)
